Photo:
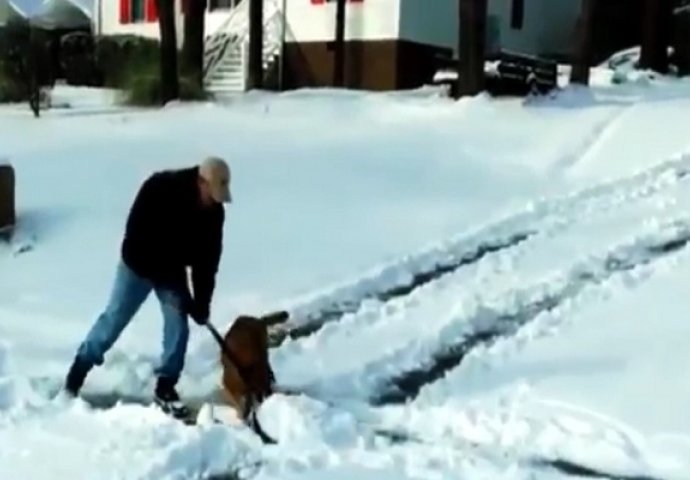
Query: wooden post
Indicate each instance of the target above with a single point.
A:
(472, 46)
(256, 64)
(339, 50)
(583, 51)
(170, 83)
(7, 199)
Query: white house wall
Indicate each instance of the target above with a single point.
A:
(369, 20)
(110, 22)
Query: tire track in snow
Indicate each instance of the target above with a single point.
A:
(487, 325)
(412, 272)
(570, 468)
(593, 142)
(418, 279)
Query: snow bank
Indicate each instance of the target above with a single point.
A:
(127, 442)
(7, 390)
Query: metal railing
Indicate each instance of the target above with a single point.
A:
(233, 34)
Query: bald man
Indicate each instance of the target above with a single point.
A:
(175, 223)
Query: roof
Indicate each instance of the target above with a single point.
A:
(9, 14)
(29, 7)
(59, 14)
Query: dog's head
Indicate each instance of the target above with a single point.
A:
(247, 338)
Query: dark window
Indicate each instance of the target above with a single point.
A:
(517, 14)
(138, 10)
(217, 4)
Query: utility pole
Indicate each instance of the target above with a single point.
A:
(339, 50)
(583, 52)
(472, 46)
(256, 63)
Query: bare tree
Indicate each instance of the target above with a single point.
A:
(472, 46)
(170, 83)
(193, 46)
(256, 44)
(583, 51)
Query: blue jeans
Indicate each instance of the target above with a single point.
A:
(128, 294)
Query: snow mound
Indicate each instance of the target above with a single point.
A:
(7, 390)
(127, 441)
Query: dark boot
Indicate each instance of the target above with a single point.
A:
(76, 376)
(168, 400)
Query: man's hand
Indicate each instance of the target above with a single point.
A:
(199, 313)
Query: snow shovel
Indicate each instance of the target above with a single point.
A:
(250, 411)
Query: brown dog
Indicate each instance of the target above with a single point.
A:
(247, 340)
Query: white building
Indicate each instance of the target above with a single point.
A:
(390, 44)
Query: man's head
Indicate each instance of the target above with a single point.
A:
(214, 181)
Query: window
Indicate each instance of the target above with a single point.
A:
(322, 2)
(222, 4)
(137, 11)
(517, 14)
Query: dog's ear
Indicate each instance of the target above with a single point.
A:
(275, 318)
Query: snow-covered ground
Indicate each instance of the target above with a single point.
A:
(479, 289)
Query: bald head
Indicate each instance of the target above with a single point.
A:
(214, 174)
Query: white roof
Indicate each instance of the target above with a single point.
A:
(54, 14)
(9, 13)
(30, 7)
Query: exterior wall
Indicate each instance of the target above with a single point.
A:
(525, 39)
(437, 26)
(558, 35)
(548, 27)
(110, 22)
(369, 64)
(366, 20)
(109, 19)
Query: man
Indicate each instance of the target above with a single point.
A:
(175, 222)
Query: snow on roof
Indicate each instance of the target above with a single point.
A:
(30, 7)
(27, 7)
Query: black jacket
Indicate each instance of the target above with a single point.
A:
(169, 230)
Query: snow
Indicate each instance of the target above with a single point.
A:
(7, 392)
(397, 228)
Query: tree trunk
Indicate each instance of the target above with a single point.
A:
(170, 84)
(472, 46)
(658, 17)
(193, 46)
(256, 64)
(339, 46)
(583, 53)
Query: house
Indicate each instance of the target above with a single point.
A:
(390, 44)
